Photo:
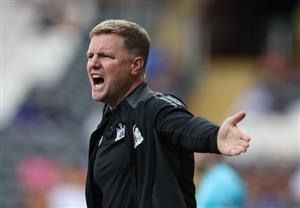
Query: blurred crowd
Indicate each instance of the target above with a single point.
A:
(47, 113)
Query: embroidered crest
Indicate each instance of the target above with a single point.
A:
(137, 136)
(120, 132)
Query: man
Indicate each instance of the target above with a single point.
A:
(141, 154)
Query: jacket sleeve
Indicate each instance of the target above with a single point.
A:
(177, 125)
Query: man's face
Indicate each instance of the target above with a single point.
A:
(108, 67)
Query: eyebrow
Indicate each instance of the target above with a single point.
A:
(108, 53)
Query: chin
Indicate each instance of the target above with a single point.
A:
(97, 98)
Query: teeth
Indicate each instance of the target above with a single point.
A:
(96, 76)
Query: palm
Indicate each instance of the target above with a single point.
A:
(231, 139)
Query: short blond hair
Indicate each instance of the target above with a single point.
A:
(136, 38)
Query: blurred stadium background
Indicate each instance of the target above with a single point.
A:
(218, 56)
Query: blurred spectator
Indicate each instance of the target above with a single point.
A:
(167, 73)
(220, 185)
(70, 192)
(37, 176)
(269, 185)
(47, 185)
(278, 86)
(160, 70)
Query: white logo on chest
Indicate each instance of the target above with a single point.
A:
(137, 136)
(120, 132)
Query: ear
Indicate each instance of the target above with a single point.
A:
(137, 65)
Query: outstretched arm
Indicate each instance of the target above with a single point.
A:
(231, 139)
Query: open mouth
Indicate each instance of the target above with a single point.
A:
(97, 80)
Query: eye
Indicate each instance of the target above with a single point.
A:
(106, 56)
(90, 56)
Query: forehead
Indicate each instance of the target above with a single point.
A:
(106, 42)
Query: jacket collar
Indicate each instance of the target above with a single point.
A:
(137, 95)
(140, 93)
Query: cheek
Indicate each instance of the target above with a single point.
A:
(88, 67)
(121, 76)
(111, 71)
(116, 72)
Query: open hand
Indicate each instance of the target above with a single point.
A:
(231, 139)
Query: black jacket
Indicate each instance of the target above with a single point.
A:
(146, 156)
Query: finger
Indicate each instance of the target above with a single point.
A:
(243, 149)
(243, 143)
(244, 135)
(236, 118)
(238, 149)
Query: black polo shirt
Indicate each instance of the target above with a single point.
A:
(141, 154)
(111, 168)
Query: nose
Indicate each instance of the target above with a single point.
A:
(95, 63)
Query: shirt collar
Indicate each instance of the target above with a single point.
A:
(132, 99)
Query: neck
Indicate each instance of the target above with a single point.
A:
(128, 91)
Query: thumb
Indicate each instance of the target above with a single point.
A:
(236, 118)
